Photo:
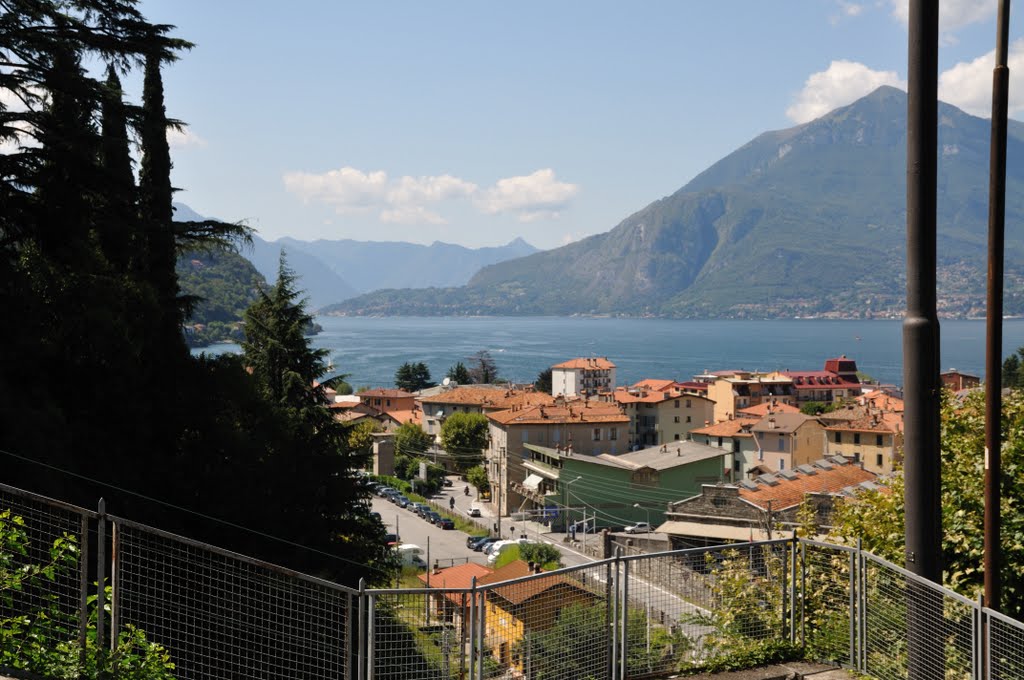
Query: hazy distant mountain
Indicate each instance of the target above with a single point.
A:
(370, 265)
(808, 220)
(332, 271)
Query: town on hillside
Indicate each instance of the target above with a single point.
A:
(729, 455)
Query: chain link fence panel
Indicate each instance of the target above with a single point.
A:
(222, 615)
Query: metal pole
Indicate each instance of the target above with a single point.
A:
(83, 589)
(101, 575)
(921, 325)
(994, 309)
(371, 632)
(115, 619)
(361, 650)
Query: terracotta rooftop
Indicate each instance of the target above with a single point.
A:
(765, 408)
(881, 422)
(489, 398)
(518, 593)
(459, 576)
(655, 385)
(386, 393)
(573, 411)
(587, 363)
(786, 493)
(883, 401)
(739, 427)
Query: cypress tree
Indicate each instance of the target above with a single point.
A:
(118, 228)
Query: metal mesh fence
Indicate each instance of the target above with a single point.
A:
(912, 624)
(421, 634)
(825, 600)
(44, 552)
(221, 615)
(1006, 647)
(690, 608)
(557, 625)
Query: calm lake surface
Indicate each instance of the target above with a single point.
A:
(370, 349)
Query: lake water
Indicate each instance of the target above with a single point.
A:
(371, 349)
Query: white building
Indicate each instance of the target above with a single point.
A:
(582, 377)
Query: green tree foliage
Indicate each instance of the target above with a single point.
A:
(543, 382)
(459, 374)
(1013, 370)
(544, 554)
(878, 518)
(87, 274)
(464, 437)
(477, 476)
(413, 377)
(482, 368)
(360, 437)
(411, 440)
(223, 285)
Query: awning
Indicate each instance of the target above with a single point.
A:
(533, 481)
(724, 532)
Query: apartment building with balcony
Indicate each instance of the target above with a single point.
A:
(585, 376)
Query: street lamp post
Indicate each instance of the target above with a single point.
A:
(565, 501)
(648, 511)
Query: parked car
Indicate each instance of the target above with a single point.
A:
(411, 555)
(431, 516)
(446, 482)
(383, 490)
(501, 546)
(401, 501)
(445, 523)
(391, 539)
(638, 528)
(376, 516)
(482, 543)
(418, 508)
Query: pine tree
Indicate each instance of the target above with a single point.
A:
(413, 377)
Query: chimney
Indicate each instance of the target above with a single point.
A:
(537, 568)
(530, 565)
(771, 423)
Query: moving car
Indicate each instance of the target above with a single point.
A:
(638, 528)
(501, 546)
(474, 512)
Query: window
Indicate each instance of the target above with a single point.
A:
(878, 440)
(719, 441)
(689, 419)
(856, 437)
(677, 403)
(389, 402)
(782, 463)
(613, 433)
(839, 437)
(675, 419)
(736, 466)
(526, 435)
(597, 434)
(687, 403)
(676, 437)
(782, 444)
(878, 460)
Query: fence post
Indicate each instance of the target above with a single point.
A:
(854, 607)
(792, 590)
(472, 626)
(371, 632)
(980, 633)
(83, 588)
(101, 576)
(803, 594)
(620, 609)
(862, 628)
(115, 618)
(482, 623)
(361, 650)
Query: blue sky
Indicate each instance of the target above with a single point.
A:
(477, 122)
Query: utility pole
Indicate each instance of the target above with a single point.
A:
(922, 387)
(994, 312)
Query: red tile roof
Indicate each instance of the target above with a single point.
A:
(571, 412)
(386, 393)
(587, 363)
(518, 593)
(765, 408)
(459, 576)
(728, 428)
(489, 398)
(790, 492)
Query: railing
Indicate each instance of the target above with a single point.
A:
(224, 615)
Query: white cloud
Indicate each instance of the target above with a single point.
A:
(953, 14)
(418, 189)
(840, 84)
(346, 189)
(968, 85)
(845, 10)
(411, 200)
(184, 138)
(532, 197)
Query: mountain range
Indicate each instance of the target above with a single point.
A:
(330, 271)
(807, 221)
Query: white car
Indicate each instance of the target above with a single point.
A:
(639, 528)
(495, 549)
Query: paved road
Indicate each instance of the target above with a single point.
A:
(446, 546)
